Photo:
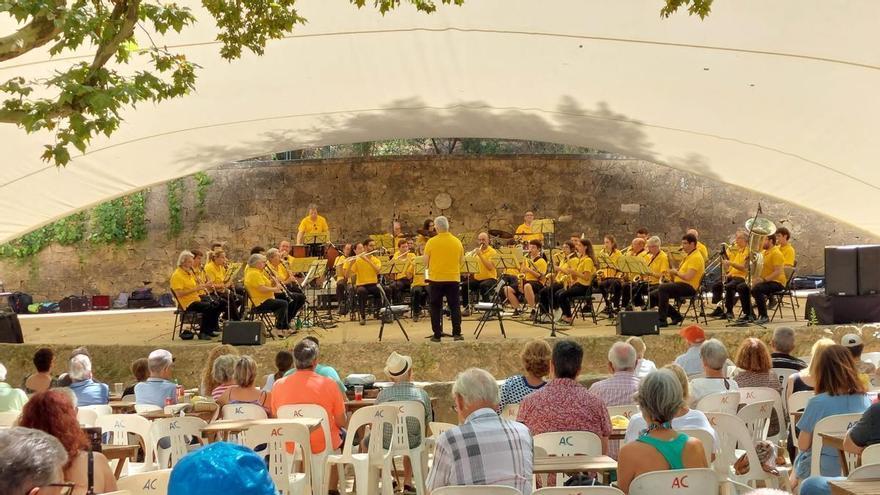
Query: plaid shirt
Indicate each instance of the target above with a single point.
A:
(617, 390)
(401, 391)
(485, 450)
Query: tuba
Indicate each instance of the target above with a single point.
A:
(758, 228)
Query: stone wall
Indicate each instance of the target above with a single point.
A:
(261, 203)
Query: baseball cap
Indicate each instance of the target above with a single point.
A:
(851, 340)
(693, 334)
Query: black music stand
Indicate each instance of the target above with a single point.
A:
(494, 309)
(469, 266)
(633, 265)
(311, 318)
(389, 309)
(314, 241)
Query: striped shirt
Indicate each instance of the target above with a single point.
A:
(485, 450)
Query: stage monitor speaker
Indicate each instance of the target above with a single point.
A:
(243, 333)
(638, 323)
(841, 271)
(869, 270)
(10, 329)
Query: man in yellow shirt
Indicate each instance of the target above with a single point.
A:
(311, 224)
(533, 268)
(187, 290)
(580, 273)
(216, 273)
(631, 290)
(704, 251)
(658, 262)
(524, 231)
(772, 280)
(482, 281)
(685, 282)
(262, 290)
(341, 269)
(365, 268)
(783, 236)
(294, 294)
(402, 280)
(735, 268)
(443, 256)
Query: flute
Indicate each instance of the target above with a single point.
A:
(361, 255)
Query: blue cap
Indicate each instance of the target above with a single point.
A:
(221, 468)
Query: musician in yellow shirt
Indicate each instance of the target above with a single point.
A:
(631, 288)
(483, 281)
(561, 278)
(261, 289)
(610, 282)
(365, 268)
(685, 282)
(524, 231)
(216, 272)
(311, 224)
(580, 279)
(772, 280)
(443, 256)
(735, 269)
(294, 294)
(343, 280)
(533, 268)
(419, 287)
(402, 280)
(658, 262)
(186, 290)
(783, 236)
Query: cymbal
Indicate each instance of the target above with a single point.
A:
(500, 233)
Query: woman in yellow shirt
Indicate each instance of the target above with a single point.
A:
(610, 282)
(402, 280)
(340, 269)
(366, 269)
(561, 278)
(187, 292)
(533, 268)
(580, 280)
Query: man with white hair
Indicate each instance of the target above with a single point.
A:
(485, 449)
(623, 384)
(782, 345)
(158, 388)
(88, 392)
(11, 399)
(32, 463)
(714, 356)
(443, 256)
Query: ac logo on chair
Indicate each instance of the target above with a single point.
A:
(238, 410)
(151, 485)
(566, 441)
(277, 432)
(379, 414)
(680, 482)
(173, 426)
(298, 413)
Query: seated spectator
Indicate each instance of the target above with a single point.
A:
(783, 345)
(563, 404)
(323, 369)
(64, 379)
(484, 449)
(31, 462)
(223, 374)
(623, 384)
(714, 358)
(88, 392)
(685, 419)
(753, 359)
(158, 387)
(644, 366)
(53, 413)
(691, 361)
(802, 381)
(283, 363)
(208, 384)
(853, 342)
(11, 399)
(535, 358)
(838, 391)
(221, 467)
(42, 380)
(659, 447)
(140, 370)
(245, 391)
(862, 434)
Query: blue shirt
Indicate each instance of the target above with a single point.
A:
(691, 360)
(90, 393)
(821, 406)
(154, 391)
(324, 370)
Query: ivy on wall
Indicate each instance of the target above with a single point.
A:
(120, 220)
(203, 181)
(175, 207)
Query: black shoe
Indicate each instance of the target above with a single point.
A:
(662, 324)
(458, 337)
(729, 316)
(717, 313)
(214, 333)
(362, 322)
(676, 321)
(435, 338)
(762, 320)
(204, 336)
(465, 313)
(417, 317)
(744, 319)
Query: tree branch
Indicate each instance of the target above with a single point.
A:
(11, 117)
(126, 13)
(37, 33)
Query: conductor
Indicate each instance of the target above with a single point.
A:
(443, 257)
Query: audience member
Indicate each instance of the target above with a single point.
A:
(223, 374)
(323, 369)
(644, 366)
(88, 392)
(535, 358)
(221, 468)
(140, 370)
(485, 449)
(623, 384)
(838, 391)
(690, 361)
(31, 462)
(158, 388)
(659, 447)
(64, 379)
(563, 404)
(53, 413)
(42, 380)
(283, 364)
(853, 342)
(783, 345)
(11, 399)
(753, 360)
(208, 384)
(803, 381)
(244, 391)
(714, 358)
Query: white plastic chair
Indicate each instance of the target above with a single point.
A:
(99, 409)
(8, 418)
(243, 411)
(869, 472)
(146, 408)
(871, 455)
(477, 490)
(750, 395)
(578, 490)
(565, 443)
(872, 357)
(118, 492)
(375, 464)
(756, 417)
(831, 424)
(319, 459)
(510, 411)
(701, 481)
(732, 432)
(179, 430)
(152, 483)
(121, 425)
(723, 402)
(626, 411)
(706, 439)
(437, 428)
(782, 375)
(128, 398)
(418, 457)
(86, 417)
(797, 402)
(270, 442)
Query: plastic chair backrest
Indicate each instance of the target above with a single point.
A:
(871, 455)
(706, 439)
(151, 483)
(99, 409)
(243, 411)
(869, 472)
(748, 395)
(626, 411)
(8, 418)
(437, 428)
(179, 430)
(308, 411)
(476, 489)
(725, 402)
(270, 441)
(120, 425)
(145, 408)
(569, 443)
(578, 490)
(118, 492)
(376, 417)
(510, 411)
(831, 424)
(782, 375)
(408, 409)
(732, 434)
(86, 417)
(128, 398)
(702, 481)
(873, 357)
(756, 417)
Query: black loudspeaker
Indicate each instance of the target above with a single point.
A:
(869, 270)
(10, 329)
(243, 333)
(841, 271)
(638, 323)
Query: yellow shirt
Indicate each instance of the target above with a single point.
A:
(740, 257)
(694, 260)
(280, 271)
(215, 273)
(307, 226)
(658, 264)
(703, 250)
(611, 272)
(562, 278)
(253, 279)
(525, 233)
(788, 254)
(586, 267)
(181, 280)
(772, 259)
(444, 252)
(540, 266)
(487, 273)
(340, 265)
(363, 270)
(410, 256)
(418, 279)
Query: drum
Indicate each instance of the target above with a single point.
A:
(332, 253)
(299, 251)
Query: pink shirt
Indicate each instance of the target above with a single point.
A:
(308, 387)
(564, 405)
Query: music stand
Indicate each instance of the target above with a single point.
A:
(314, 240)
(316, 269)
(469, 266)
(543, 226)
(384, 241)
(633, 265)
(467, 238)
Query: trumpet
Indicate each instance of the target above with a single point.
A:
(350, 258)
(473, 251)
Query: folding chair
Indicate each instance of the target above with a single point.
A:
(267, 317)
(699, 296)
(581, 306)
(786, 291)
(185, 320)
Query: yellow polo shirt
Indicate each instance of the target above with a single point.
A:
(364, 271)
(307, 226)
(444, 252)
(279, 270)
(181, 280)
(772, 259)
(585, 266)
(340, 265)
(215, 273)
(740, 257)
(410, 256)
(525, 233)
(694, 260)
(540, 267)
(703, 250)
(788, 254)
(490, 254)
(611, 272)
(658, 264)
(253, 279)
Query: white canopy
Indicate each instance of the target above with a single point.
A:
(778, 97)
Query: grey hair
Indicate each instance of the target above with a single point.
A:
(783, 339)
(441, 223)
(69, 394)
(158, 364)
(254, 259)
(245, 371)
(272, 252)
(224, 368)
(2, 373)
(29, 458)
(80, 368)
(183, 257)
(660, 396)
(622, 356)
(714, 354)
(305, 354)
(475, 385)
(638, 240)
(653, 241)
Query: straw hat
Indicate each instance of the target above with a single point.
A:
(397, 365)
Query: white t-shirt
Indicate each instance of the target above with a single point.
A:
(692, 420)
(645, 366)
(701, 387)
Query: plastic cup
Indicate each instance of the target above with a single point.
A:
(358, 392)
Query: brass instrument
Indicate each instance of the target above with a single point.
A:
(473, 251)
(274, 278)
(758, 228)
